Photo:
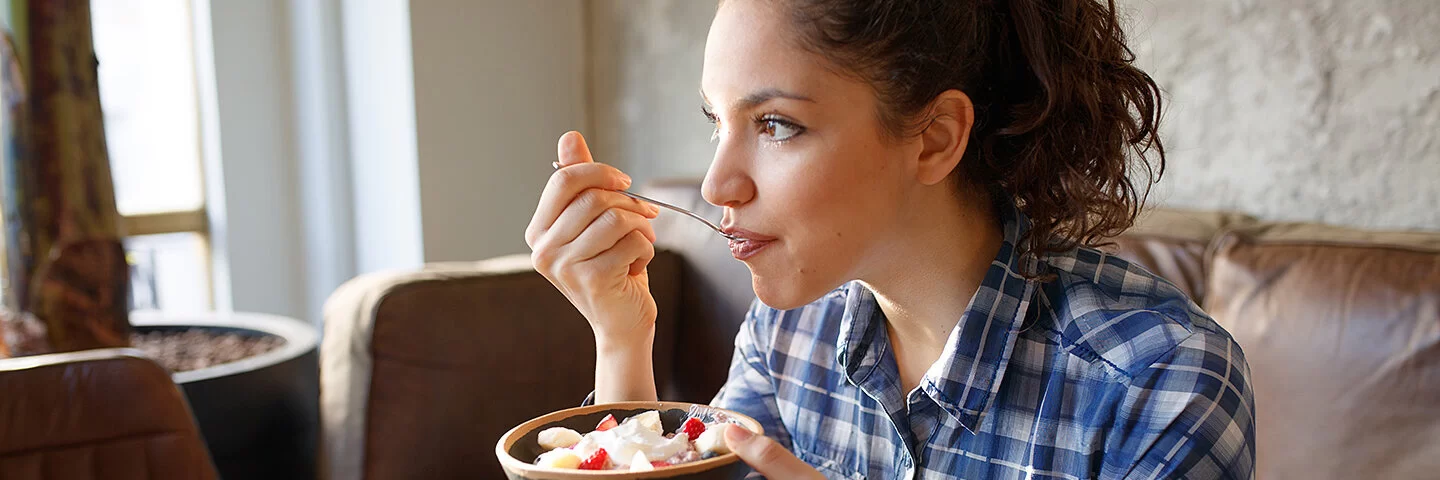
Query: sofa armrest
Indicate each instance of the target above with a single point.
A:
(109, 412)
(422, 371)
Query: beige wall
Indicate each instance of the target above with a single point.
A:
(496, 84)
(646, 57)
(1288, 109)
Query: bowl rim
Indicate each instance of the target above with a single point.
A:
(502, 447)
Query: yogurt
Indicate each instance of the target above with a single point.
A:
(629, 437)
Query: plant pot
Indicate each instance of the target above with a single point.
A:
(259, 415)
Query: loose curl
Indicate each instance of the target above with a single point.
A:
(1064, 120)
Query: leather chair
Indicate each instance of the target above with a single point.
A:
(422, 371)
(1342, 331)
(96, 414)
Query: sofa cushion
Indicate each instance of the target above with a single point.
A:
(1172, 243)
(1342, 331)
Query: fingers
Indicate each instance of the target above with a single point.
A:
(633, 252)
(564, 185)
(589, 206)
(605, 232)
(629, 256)
(767, 457)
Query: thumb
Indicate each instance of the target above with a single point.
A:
(766, 456)
(572, 150)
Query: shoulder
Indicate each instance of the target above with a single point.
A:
(1107, 309)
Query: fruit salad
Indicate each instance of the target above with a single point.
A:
(638, 444)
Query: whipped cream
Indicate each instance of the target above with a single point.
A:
(623, 441)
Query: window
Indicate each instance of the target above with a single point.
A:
(152, 129)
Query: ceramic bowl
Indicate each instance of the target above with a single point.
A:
(518, 448)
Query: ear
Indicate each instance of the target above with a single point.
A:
(949, 118)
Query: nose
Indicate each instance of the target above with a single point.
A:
(728, 182)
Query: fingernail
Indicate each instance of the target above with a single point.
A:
(736, 433)
(555, 164)
(625, 180)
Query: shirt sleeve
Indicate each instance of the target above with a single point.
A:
(750, 389)
(1189, 415)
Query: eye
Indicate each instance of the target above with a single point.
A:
(779, 129)
(714, 120)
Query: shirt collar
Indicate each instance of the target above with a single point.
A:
(963, 382)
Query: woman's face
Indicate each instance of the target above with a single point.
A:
(802, 166)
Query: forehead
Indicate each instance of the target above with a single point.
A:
(754, 46)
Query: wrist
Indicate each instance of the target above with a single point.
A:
(624, 368)
(628, 344)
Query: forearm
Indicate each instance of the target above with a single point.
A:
(625, 370)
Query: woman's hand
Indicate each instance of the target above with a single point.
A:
(767, 457)
(593, 243)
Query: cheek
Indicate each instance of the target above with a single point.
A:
(828, 214)
(842, 190)
(841, 175)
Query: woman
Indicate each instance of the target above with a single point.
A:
(913, 182)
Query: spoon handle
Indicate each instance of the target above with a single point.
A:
(658, 203)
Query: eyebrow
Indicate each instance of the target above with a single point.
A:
(759, 97)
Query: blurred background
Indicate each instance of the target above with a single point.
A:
(266, 151)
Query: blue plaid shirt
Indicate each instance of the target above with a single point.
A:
(1107, 371)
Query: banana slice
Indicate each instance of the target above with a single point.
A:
(712, 440)
(558, 437)
(559, 458)
(640, 463)
(651, 421)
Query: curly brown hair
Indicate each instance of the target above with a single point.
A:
(1064, 120)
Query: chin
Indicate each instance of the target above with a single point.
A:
(787, 293)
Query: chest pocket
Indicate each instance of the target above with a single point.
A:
(828, 467)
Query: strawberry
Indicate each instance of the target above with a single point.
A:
(607, 423)
(597, 460)
(659, 464)
(693, 427)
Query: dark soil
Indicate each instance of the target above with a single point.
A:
(193, 349)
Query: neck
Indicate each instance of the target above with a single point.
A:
(933, 268)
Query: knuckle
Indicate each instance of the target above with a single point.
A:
(612, 217)
(637, 237)
(566, 177)
(542, 259)
(590, 199)
(557, 181)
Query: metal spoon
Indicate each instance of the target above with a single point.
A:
(658, 203)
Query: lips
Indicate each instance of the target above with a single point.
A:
(748, 243)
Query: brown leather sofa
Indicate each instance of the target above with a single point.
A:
(96, 414)
(422, 371)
